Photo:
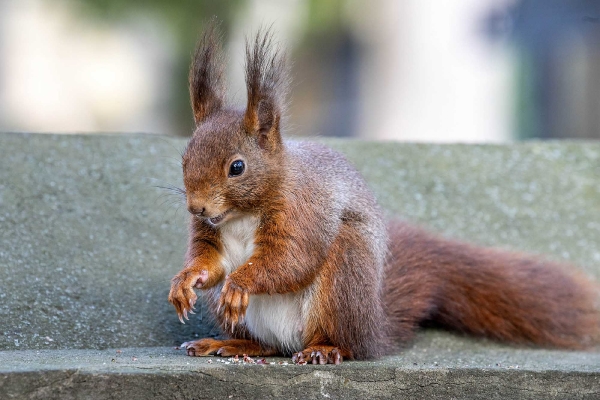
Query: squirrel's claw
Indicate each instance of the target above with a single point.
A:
(182, 294)
(233, 302)
(318, 355)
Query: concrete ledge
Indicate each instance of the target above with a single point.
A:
(436, 366)
(88, 245)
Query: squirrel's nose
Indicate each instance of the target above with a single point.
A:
(196, 210)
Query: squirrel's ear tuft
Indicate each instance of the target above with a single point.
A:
(206, 74)
(267, 84)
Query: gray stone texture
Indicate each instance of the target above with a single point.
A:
(89, 242)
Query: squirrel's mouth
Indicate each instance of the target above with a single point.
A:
(218, 219)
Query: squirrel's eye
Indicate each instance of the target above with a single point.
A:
(236, 168)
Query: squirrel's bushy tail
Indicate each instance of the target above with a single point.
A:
(505, 296)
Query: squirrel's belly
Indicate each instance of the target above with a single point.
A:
(277, 320)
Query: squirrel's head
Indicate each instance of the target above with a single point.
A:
(233, 161)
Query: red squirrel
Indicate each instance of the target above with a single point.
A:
(293, 255)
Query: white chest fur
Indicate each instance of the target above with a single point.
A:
(237, 237)
(275, 320)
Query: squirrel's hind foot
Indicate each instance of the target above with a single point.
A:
(320, 355)
(225, 348)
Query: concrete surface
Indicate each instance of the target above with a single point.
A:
(88, 244)
(436, 366)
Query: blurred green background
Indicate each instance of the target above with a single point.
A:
(417, 70)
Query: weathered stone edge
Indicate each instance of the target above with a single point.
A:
(301, 382)
(165, 373)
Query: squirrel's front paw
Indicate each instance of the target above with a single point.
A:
(233, 302)
(182, 294)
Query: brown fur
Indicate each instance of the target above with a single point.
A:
(228, 348)
(321, 235)
(486, 292)
(206, 75)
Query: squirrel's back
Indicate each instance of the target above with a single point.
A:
(314, 165)
(337, 189)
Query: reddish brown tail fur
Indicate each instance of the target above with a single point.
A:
(505, 296)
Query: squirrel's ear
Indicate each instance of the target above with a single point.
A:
(266, 82)
(206, 74)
